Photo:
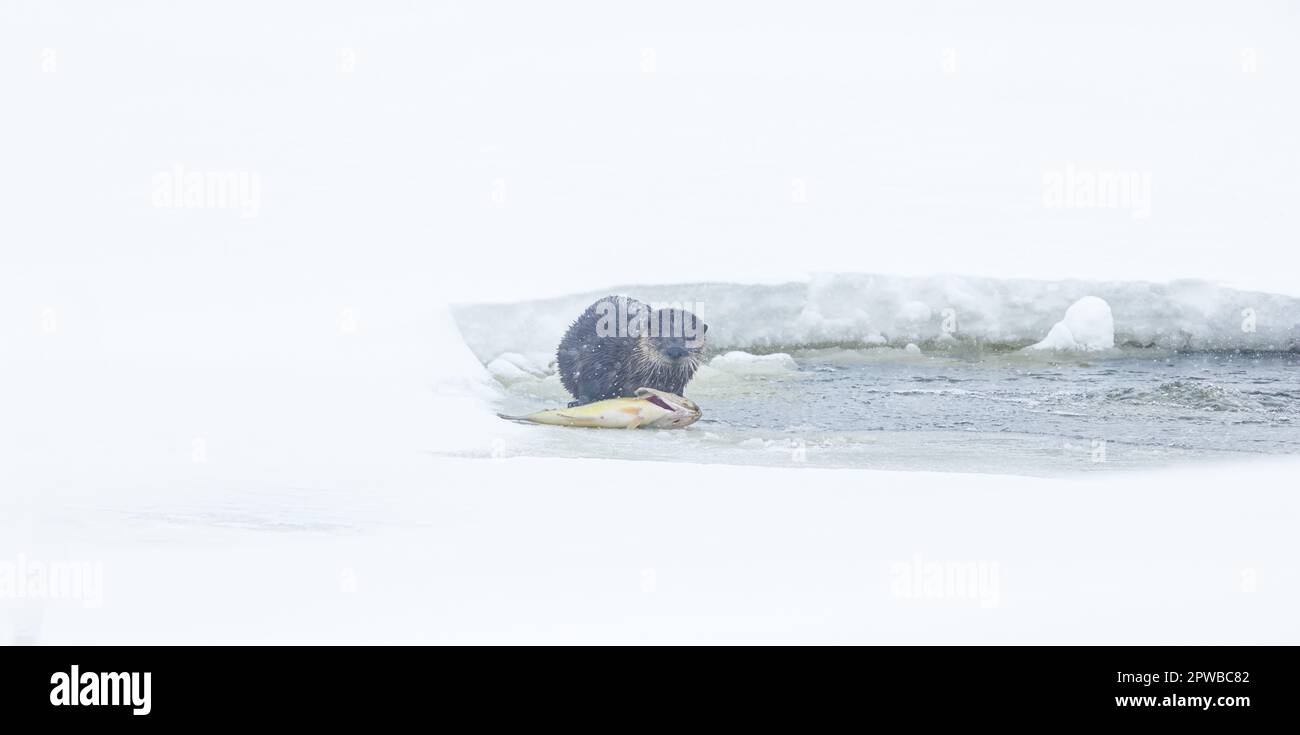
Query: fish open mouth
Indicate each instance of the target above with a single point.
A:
(659, 402)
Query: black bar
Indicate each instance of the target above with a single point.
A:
(206, 685)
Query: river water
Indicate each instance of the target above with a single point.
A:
(1003, 412)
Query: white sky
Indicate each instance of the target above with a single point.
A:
(626, 165)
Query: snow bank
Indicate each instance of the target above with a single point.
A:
(1088, 326)
(855, 310)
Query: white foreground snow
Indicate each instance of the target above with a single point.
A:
(556, 550)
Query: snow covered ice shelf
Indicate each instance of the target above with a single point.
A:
(861, 310)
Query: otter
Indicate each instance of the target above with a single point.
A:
(620, 344)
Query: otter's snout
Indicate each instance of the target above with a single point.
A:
(676, 351)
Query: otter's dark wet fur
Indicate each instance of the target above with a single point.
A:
(596, 362)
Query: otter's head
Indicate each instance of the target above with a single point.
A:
(673, 341)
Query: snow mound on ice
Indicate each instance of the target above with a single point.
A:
(1088, 326)
(743, 363)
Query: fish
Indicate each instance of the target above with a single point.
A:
(649, 409)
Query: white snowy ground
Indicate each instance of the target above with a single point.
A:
(324, 518)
